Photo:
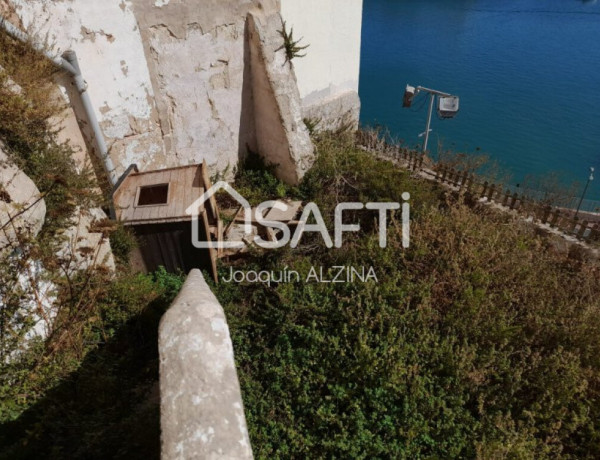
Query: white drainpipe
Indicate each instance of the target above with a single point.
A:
(69, 63)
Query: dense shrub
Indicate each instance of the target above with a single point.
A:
(30, 121)
(91, 390)
(477, 341)
(255, 180)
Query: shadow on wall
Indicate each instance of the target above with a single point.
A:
(247, 134)
(64, 81)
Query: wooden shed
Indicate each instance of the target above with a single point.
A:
(154, 204)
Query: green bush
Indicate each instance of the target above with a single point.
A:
(29, 128)
(256, 181)
(122, 242)
(94, 396)
(477, 342)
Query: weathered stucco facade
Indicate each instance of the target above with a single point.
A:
(175, 82)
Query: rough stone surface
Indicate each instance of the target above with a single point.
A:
(199, 66)
(201, 99)
(7, 10)
(85, 248)
(107, 40)
(281, 135)
(171, 80)
(18, 193)
(202, 414)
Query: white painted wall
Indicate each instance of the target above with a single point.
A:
(170, 79)
(333, 30)
(106, 38)
(199, 78)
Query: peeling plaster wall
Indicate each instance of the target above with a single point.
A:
(106, 38)
(328, 74)
(171, 80)
(198, 60)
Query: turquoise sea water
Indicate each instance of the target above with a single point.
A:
(527, 73)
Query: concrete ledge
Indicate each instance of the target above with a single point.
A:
(202, 414)
(341, 111)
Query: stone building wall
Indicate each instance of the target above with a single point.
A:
(171, 80)
(106, 37)
(198, 60)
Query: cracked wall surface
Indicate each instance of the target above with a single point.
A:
(200, 80)
(171, 80)
(198, 60)
(108, 43)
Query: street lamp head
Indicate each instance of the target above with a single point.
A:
(447, 106)
(591, 173)
(409, 93)
(447, 109)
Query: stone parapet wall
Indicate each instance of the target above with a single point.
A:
(201, 408)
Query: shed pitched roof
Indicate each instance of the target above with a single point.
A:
(184, 185)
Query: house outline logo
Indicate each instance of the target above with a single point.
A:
(194, 211)
(310, 209)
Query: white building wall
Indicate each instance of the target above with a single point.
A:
(330, 69)
(198, 63)
(108, 43)
(170, 79)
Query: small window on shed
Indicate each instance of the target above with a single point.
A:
(152, 195)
